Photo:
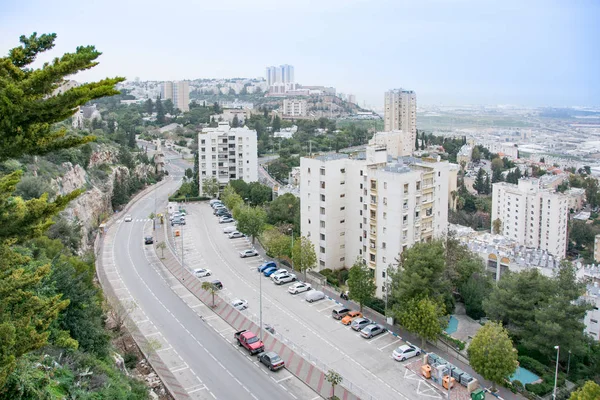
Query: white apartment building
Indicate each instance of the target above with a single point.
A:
(178, 92)
(509, 150)
(398, 143)
(227, 154)
(533, 217)
(370, 208)
(400, 112)
(295, 108)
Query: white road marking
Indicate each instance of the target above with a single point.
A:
(285, 379)
(389, 344)
(371, 341)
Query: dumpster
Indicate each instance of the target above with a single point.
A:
(478, 394)
(448, 381)
(426, 371)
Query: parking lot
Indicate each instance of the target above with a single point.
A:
(307, 326)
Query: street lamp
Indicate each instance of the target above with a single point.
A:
(569, 363)
(556, 372)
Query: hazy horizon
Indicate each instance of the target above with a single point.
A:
(451, 52)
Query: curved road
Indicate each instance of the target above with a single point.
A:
(225, 373)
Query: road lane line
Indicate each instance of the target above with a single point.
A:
(285, 379)
(326, 308)
(389, 344)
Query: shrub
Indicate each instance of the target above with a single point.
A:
(533, 365)
(376, 304)
(131, 360)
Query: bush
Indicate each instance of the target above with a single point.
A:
(533, 365)
(189, 198)
(376, 304)
(131, 360)
(456, 343)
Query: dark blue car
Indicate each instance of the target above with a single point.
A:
(268, 264)
(269, 271)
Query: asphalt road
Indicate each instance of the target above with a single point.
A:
(226, 373)
(366, 363)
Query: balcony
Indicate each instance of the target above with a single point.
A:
(427, 200)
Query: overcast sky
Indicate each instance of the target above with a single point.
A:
(525, 52)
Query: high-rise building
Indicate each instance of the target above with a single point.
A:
(227, 154)
(178, 92)
(371, 209)
(398, 143)
(282, 75)
(400, 111)
(531, 216)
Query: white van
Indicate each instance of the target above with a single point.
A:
(229, 229)
(314, 295)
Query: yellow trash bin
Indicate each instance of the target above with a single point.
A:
(426, 371)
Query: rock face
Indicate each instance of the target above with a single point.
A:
(94, 204)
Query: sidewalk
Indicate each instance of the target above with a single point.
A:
(396, 330)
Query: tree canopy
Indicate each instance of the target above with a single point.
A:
(361, 283)
(31, 101)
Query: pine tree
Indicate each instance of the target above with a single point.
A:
(160, 111)
(488, 184)
(479, 184)
(27, 93)
(149, 106)
(236, 122)
(417, 141)
(423, 140)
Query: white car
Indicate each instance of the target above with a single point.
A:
(280, 271)
(299, 287)
(176, 216)
(128, 218)
(202, 272)
(229, 229)
(405, 352)
(284, 278)
(248, 253)
(235, 235)
(226, 220)
(239, 304)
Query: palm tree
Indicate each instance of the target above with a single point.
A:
(335, 379)
(162, 246)
(209, 287)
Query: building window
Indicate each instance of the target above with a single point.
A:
(322, 236)
(322, 197)
(419, 185)
(373, 185)
(342, 221)
(373, 214)
(322, 210)
(385, 185)
(342, 208)
(322, 171)
(322, 224)
(384, 215)
(322, 249)
(322, 185)
(342, 259)
(372, 257)
(361, 172)
(383, 245)
(385, 201)
(342, 233)
(343, 195)
(406, 188)
(383, 259)
(342, 182)
(321, 263)
(343, 170)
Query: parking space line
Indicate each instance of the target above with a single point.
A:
(376, 339)
(389, 344)
(284, 379)
(203, 387)
(326, 308)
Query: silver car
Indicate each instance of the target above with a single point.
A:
(372, 330)
(360, 323)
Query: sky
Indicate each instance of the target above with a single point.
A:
(450, 52)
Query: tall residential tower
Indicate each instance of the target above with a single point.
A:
(400, 108)
(178, 92)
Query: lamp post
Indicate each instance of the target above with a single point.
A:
(556, 372)
(569, 363)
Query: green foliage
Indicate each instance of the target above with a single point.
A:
(589, 391)
(361, 283)
(420, 316)
(28, 106)
(33, 187)
(231, 198)
(160, 111)
(210, 187)
(276, 243)
(210, 288)
(421, 274)
(130, 359)
(251, 221)
(457, 343)
(285, 209)
(528, 303)
(492, 354)
(303, 255)
(474, 292)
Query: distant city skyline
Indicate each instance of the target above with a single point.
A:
(536, 53)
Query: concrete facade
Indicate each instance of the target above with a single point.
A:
(400, 112)
(178, 92)
(227, 154)
(398, 143)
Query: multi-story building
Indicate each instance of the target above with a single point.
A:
(464, 155)
(283, 75)
(369, 208)
(227, 154)
(295, 108)
(398, 143)
(533, 217)
(504, 149)
(178, 92)
(400, 111)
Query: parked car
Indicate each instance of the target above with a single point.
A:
(225, 220)
(202, 272)
(229, 229)
(339, 312)
(268, 264)
(218, 205)
(351, 316)
(250, 341)
(269, 271)
(235, 235)
(214, 201)
(299, 287)
(178, 221)
(239, 304)
(219, 211)
(128, 218)
(285, 278)
(372, 330)
(248, 253)
(360, 323)
(271, 360)
(277, 272)
(405, 352)
(148, 240)
(314, 295)
(176, 215)
(217, 284)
